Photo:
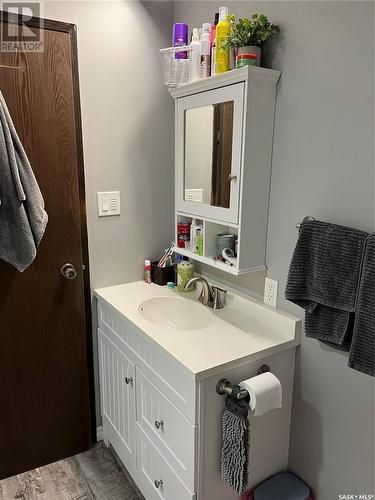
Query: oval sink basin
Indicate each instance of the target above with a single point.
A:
(176, 312)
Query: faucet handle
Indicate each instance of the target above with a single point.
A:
(218, 297)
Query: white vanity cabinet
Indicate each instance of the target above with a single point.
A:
(148, 410)
(223, 155)
(160, 410)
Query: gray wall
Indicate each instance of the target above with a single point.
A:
(127, 120)
(126, 117)
(323, 166)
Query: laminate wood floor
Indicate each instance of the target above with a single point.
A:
(92, 475)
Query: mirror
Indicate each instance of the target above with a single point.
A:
(208, 154)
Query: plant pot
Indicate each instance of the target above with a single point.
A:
(251, 49)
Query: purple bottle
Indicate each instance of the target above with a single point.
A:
(180, 37)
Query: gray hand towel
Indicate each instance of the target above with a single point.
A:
(234, 452)
(323, 279)
(362, 350)
(22, 216)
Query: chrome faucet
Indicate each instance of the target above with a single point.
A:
(211, 295)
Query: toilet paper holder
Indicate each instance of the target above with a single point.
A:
(225, 387)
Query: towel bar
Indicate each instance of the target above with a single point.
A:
(308, 217)
(225, 387)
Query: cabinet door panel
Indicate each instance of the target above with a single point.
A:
(167, 428)
(117, 381)
(209, 153)
(158, 480)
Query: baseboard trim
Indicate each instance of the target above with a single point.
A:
(99, 433)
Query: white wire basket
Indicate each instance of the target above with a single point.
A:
(175, 71)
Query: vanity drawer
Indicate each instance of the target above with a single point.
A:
(157, 479)
(167, 428)
(158, 365)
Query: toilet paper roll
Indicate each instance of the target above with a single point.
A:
(265, 392)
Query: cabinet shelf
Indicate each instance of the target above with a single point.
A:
(205, 219)
(207, 260)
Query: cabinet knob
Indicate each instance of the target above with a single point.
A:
(159, 424)
(158, 483)
(232, 177)
(128, 380)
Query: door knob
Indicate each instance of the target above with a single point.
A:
(158, 424)
(232, 177)
(68, 271)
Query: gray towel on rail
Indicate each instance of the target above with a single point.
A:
(234, 452)
(323, 279)
(22, 216)
(362, 350)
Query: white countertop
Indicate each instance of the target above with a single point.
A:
(245, 330)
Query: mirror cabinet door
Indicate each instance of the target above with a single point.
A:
(209, 153)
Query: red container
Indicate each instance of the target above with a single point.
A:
(183, 234)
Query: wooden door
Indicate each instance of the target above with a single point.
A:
(45, 318)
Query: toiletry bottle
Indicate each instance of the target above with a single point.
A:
(195, 56)
(180, 37)
(178, 260)
(185, 271)
(205, 51)
(199, 241)
(213, 58)
(222, 31)
(213, 43)
(193, 236)
(147, 271)
(213, 29)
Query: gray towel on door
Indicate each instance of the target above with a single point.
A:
(362, 350)
(22, 216)
(323, 279)
(234, 452)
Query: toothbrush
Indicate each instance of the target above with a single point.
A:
(167, 255)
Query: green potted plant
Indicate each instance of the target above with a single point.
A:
(248, 36)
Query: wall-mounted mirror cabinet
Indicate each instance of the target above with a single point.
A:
(223, 141)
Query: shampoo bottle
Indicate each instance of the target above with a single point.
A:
(222, 31)
(205, 51)
(195, 56)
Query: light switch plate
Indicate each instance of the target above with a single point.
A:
(194, 195)
(270, 292)
(109, 203)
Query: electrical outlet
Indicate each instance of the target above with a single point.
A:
(270, 292)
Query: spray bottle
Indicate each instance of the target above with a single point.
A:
(195, 56)
(205, 51)
(222, 31)
(213, 44)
